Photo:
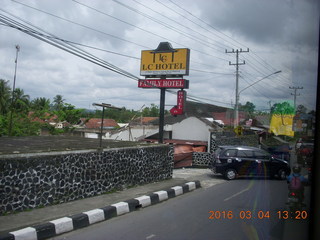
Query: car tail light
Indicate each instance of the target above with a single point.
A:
(293, 194)
(218, 159)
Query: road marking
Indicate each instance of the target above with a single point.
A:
(151, 236)
(236, 194)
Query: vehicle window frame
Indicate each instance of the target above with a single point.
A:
(224, 154)
(267, 158)
(247, 156)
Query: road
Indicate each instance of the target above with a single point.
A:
(240, 209)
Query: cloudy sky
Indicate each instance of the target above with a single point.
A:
(280, 35)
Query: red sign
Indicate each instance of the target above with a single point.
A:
(163, 83)
(181, 99)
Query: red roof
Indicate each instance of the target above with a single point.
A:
(148, 119)
(96, 123)
(47, 117)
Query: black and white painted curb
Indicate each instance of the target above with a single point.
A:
(67, 224)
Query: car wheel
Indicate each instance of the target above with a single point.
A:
(230, 174)
(282, 174)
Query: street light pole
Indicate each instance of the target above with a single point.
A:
(14, 86)
(238, 95)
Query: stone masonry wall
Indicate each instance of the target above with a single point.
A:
(220, 139)
(40, 180)
(201, 159)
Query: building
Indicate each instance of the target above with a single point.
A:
(91, 128)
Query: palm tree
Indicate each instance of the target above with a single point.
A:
(4, 96)
(40, 103)
(20, 100)
(58, 100)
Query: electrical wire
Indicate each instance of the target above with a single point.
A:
(134, 77)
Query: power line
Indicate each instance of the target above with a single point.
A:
(183, 25)
(168, 26)
(133, 57)
(59, 43)
(81, 25)
(252, 53)
(205, 24)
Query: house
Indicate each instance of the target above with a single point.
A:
(95, 123)
(135, 130)
(184, 127)
(51, 119)
(304, 123)
(91, 128)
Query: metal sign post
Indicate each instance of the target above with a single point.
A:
(161, 63)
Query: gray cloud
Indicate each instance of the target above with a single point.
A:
(281, 35)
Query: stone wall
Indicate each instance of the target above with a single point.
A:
(37, 180)
(229, 138)
(201, 159)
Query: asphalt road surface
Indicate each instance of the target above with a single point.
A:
(246, 208)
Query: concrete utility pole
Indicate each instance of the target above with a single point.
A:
(295, 95)
(13, 89)
(236, 109)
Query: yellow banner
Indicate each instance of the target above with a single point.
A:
(282, 124)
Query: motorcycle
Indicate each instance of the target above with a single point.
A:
(295, 201)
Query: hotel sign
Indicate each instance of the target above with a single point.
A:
(171, 62)
(163, 83)
(181, 100)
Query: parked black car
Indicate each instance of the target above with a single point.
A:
(232, 161)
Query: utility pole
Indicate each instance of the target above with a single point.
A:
(13, 89)
(103, 105)
(236, 109)
(295, 95)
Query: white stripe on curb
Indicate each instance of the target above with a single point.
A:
(192, 185)
(96, 215)
(163, 195)
(178, 190)
(63, 225)
(28, 233)
(122, 207)
(144, 201)
(66, 224)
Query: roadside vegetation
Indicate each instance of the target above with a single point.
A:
(21, 115)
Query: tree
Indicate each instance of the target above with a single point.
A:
(58, 102)
(152, 111)
(40, 104)
(70, 113)
(21, 101)
(248, 107)
(5, 92)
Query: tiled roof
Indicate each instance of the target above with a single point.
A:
(144, 120)
(47, 117)
(96, 123)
